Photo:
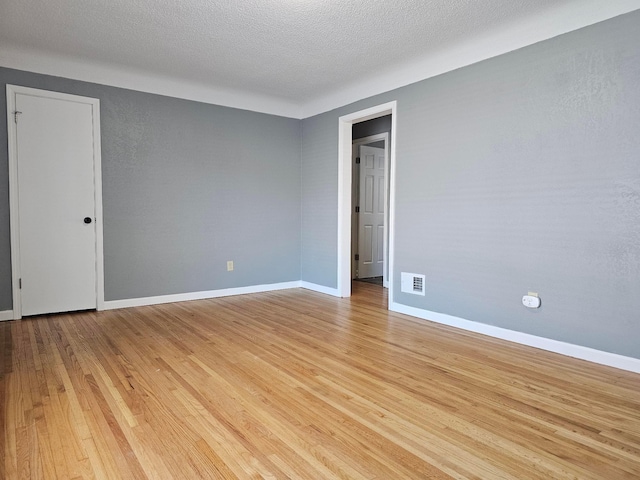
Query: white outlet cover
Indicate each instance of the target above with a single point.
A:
(530, 301)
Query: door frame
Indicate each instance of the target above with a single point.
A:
(356, 144)
(14, 218)
(345, 145)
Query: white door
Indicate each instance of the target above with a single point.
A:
(54, 150)
(372, 209)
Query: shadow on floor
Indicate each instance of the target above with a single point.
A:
(373, 280)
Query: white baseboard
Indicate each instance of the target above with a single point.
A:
(6, 315)
(182, 297)
(320, 288)
(584, 353)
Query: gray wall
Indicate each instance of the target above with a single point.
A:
(319, 187)
(186, 187)
(516, 174)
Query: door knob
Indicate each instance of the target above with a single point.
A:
(87, 219)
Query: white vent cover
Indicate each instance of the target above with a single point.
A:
(412, 283)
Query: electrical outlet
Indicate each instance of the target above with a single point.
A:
(531, 301)
(230, 266)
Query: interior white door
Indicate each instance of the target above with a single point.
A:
(56, 204)
(372, 212)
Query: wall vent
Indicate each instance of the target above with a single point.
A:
(412, 283)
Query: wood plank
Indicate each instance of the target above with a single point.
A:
(295, 384)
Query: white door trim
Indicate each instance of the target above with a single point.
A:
(384, 137)
(345, 145)
(12, 90)
(371, 138)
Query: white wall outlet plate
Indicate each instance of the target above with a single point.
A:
(230, 266)
(530, 301)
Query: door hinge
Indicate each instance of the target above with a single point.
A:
(357, 209)
(15, 115)
(357, 257)
(357, 160)
(20, 284)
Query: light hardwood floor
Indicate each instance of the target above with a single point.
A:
(295, 384)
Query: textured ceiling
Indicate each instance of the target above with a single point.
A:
(295, 51)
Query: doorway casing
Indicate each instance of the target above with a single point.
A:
(345, 141)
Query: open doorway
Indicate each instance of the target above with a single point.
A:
(346, 201)
(370, 195)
